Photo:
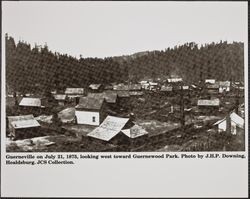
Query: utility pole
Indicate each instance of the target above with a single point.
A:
(228, 123)
(237, 101)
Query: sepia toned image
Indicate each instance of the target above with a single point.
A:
(184, 96)
(145, 99)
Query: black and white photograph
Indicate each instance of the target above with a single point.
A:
(180, 97)
(129, 81)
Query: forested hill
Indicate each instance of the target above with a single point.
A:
(38, 69)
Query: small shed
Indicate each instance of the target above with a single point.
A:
(32, 105)
(74, 94)
(210, 81)
(209, 105)
(23, 126)
(224, 86)
(209, 102)
(136, 134)
(60, 98)
(174, 80)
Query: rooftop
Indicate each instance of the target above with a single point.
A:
(60, 96)
(135, 131)
(25, 124)
(95, 86)
(110, 127)
(74, 91)
(33, 102)
(205, 102)
(90, 103)
(123, 93)
(23, 121)
(109, 96)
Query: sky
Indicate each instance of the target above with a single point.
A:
(102, 29)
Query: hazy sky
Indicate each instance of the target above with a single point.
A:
(100, 29)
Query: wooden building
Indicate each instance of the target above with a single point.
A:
(91, 111)
(224, 86)
(109, 96)
(212, 89)
(61, 99)
(119, 131)
(134, 87)
(110, 128)
(232, 123)
(208, 106)
(166, 89)
(23, 126)
(74, 94)
(32, 105)
(121, 87)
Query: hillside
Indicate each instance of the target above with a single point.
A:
(39, 70)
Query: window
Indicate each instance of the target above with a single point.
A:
(93, 119)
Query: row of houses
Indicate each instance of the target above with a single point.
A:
(214, 86)
(89, 110)
(92, 107)
(115, 130)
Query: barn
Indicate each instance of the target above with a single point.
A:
(23, 126)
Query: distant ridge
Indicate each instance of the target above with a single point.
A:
(40, 70)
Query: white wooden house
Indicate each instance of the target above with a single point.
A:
(90, 111)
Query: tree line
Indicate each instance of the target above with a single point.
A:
(40, 70)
